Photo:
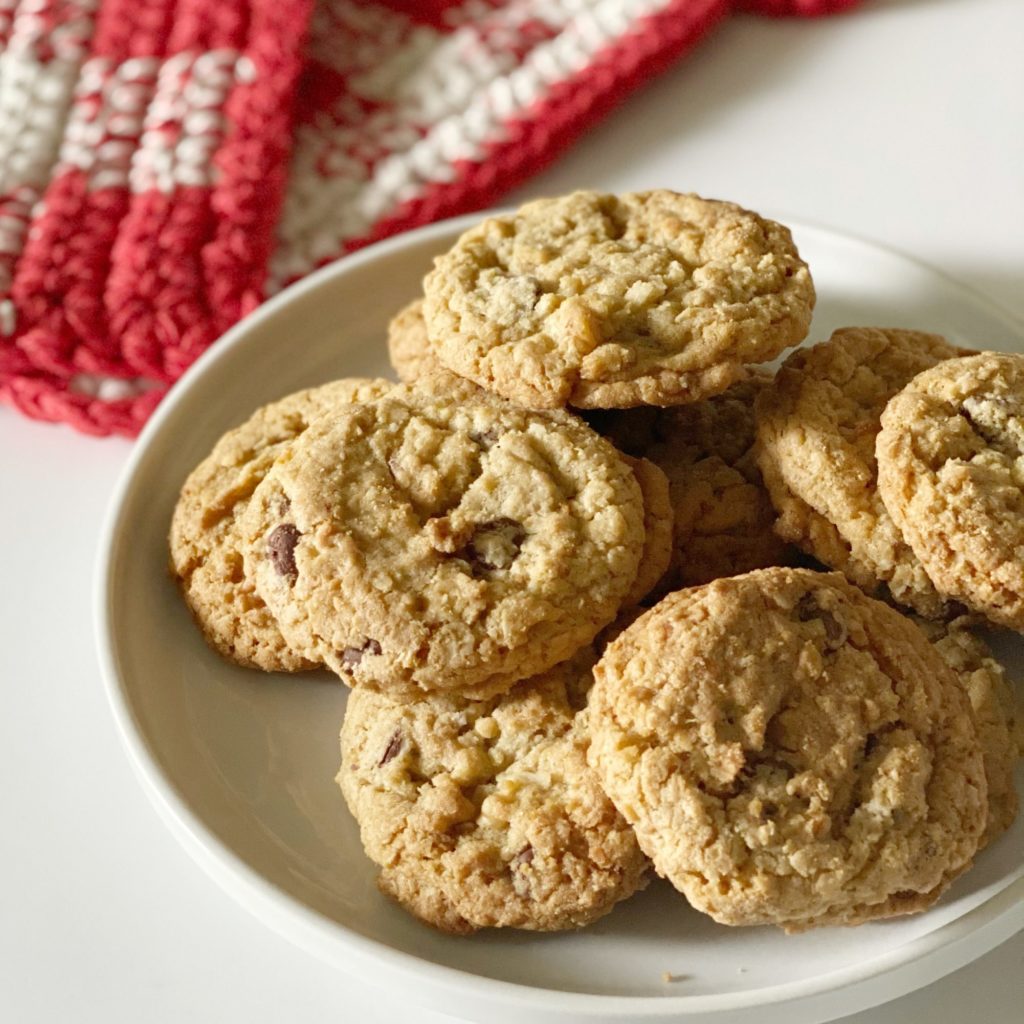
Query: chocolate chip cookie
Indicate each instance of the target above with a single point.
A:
(723, 517)
(602, 301)
(816, 431)
(789, 751)
(409, 348)
(206, 558)
(995, 714)
(951, 474)
(484, 814)
(658, 520)
(444, 541)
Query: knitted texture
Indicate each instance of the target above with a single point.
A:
(166, 164)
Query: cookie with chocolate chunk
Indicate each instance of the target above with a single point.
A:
(485, 814)
(789, 751)
(995, 710)
(816, 432)
(205, 539)
(603, 301)
(409, 348)
(440, 541)
(722, 516)
(951, 474)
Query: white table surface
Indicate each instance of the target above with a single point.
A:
(903, 122)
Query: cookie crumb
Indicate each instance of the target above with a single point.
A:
(669, 978)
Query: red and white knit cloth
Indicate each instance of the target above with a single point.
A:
(165, 164)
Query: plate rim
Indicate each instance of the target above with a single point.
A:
(1000, 916)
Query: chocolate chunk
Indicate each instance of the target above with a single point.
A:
(281, 548)
(835, 631)
(524, 856)
(485, 438)
(351, 656)
(393, 749)
(494, 545)
(807, 608)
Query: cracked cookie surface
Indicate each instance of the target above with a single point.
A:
(205, 535)
(722, 514)
(951, 473)
(485, 814)
(444, 541)
(602, 301)
(789, 751)
(816, 430)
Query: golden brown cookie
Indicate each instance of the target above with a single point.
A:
(409, 348)
(789, 751)
(444, 541)
(723, 517)
(602, 301)
(206, 558)
(816, 433)
(951, 473)
(658, 519)
(485, 814)
(995, 714)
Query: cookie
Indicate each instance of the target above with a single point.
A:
(723, 517)
(205, 538)
(789, 751)
(409, 348)
(444, 542)
(816, 432)
(950, 473)
(995, 714)
(602, 301)
(658, 520)
(485, 814)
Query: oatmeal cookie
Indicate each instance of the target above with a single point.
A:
(816, 432)
(995, 714)
(409, 349)
(445, 541)
(951, 474)
(485, 814)
(657, 552)
(602, 301)
(789, 751)
(723, 517)
(206, 558)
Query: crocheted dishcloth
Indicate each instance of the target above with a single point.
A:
(169, 163)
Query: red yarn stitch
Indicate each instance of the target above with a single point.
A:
(127, 286)
(156, 296)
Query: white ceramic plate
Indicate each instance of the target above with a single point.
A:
(241, 766)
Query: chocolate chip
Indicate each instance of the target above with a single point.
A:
(524, 856)
(281, 547)
(835, 631)
(494, 545)
(351, 656)
(393, 749)
(807, 608)
(485, 438)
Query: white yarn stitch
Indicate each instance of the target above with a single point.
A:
(185, 124)
(35, 96)
(458, 93)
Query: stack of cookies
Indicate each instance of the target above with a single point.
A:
(563, 567)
